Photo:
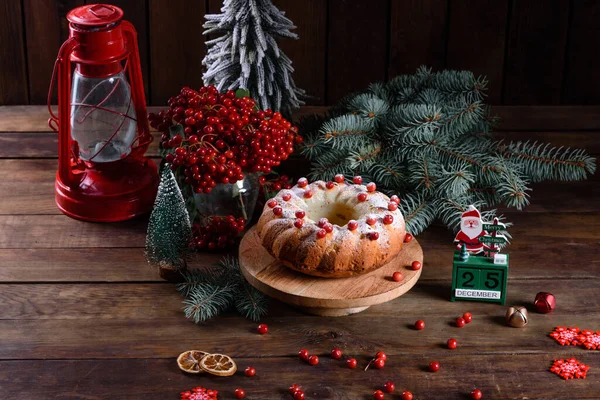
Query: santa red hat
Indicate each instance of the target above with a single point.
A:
(471, 212)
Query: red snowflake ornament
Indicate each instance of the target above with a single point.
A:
(566, 336)
(199, 393)
(570, 368)
(589, 339)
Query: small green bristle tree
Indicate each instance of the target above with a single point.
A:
(427, 137)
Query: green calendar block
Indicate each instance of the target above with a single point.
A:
(479, 279)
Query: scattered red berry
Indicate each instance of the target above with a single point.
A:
(388, 219)
(352, 225)
(362, 196)
(357, 180)
(476, 394)
(328, 227)
(278, 211)
(330, 185)
(434, 366)
(407, 395)
(321, 233)
(302, 182)
(395, 199)
(460, 322)
(294, 388)
(313, 360)
(389, 387)
(336, 354)
(300, 214)
(379, 363)
(286, 197)
(378, 395)
(308, 194)
(415, 266)
(303, 354)
(272, 203)
(263, 329)
(371, 221)
(239, 393)
(298, 395)
(397, 276)
(217, 232)
(351, 363)
(392, 206)
(373, 235)
(468, 317)
(420, 325)
(408, 237)
(452, 343)
(371, 187)
(382, 355)
(339, 178)
(298, 223)
(250, 371)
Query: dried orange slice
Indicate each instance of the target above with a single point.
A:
(218, 364)
(189, 361)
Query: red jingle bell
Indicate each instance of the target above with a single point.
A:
(544, 302)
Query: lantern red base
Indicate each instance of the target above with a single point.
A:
(110, 192)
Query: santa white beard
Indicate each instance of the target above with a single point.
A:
(472, 230)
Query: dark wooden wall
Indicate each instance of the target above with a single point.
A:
(532, 51)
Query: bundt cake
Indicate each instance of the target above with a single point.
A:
(332, 229)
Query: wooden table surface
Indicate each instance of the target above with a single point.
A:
(82, 316)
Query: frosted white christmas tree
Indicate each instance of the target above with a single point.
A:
(245, 55)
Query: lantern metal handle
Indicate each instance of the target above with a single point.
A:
(62, 68)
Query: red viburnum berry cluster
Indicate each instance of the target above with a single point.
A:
(199, 393)
(573, 336)
(570, 368)
(217, 232)
(223, 137)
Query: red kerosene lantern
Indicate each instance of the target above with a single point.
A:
(102, 125)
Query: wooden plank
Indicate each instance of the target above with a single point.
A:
(355, 56)
(308, 52)
(121, 302)
(141, 320)
(582, 80)
(27, 188)
(497, 376)
(52, 231)
(538, 31)
(136, 12)
(13, 79)
(176, 47)
(479, 25)
(86, 265)
(529, 256)
(512, 118)
(45, 144)
(31, 231)
(417, 35)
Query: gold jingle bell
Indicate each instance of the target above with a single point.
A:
(517, 316)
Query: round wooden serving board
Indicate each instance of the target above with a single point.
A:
(331, 297)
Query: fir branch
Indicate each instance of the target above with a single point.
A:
(250, 302)
(543, 161)
(435, 148)
(418, 211)
(207, 301)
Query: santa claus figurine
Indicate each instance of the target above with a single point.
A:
(471, 228)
